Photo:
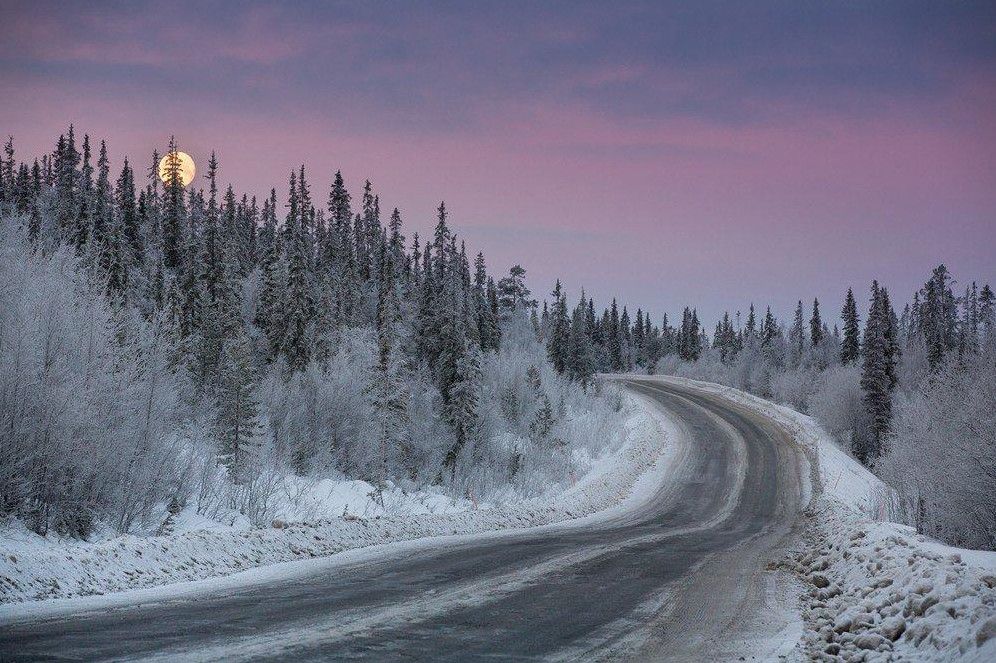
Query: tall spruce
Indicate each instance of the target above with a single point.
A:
(850, 347)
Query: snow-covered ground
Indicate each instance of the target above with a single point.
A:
(875, 590)
(319, 519)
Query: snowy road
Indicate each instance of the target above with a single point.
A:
(681, 578)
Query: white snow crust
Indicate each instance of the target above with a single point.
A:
(875, 590)
(40, 576)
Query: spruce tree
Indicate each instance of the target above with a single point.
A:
(987, 315)
(299, 304)
(391, 378)
(876, 377)
(797, 335)
(769, 329)
(580, 357)
(7, 176)
(486, 318)
(815, 326)
(462, 406)
(557, 341)
(625, 341)
(237, 425)
(938, 316)
(750, 330)
(174, 212)
(850, 347)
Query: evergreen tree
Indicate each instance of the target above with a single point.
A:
(689, 336)
(513, 294)
(750, 330)
(129, 219)
(580, 359)
(613, 338)
(987, 315)
(969, 324)
(270, 311)
(560, 329)
(299, 304)
(937, 316)
(797, 335)
(625, 341)
(462, 404)
(850, 347)
(815, 326)
(769, 329)
(174, 212)
(877, 376)
(391, 379)
(7, 176)
(486, 318)
(237, 425)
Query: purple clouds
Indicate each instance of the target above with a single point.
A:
(667, 154)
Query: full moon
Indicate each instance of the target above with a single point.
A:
(185, 166)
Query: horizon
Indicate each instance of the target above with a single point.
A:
(695, 157)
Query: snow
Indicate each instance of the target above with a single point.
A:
(37, 570)
(876, 590)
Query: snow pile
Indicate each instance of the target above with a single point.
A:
(34, 568)
(876, 590)
(301, 500)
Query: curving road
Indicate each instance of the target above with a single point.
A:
(681, 578)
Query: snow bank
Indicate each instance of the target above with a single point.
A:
(876, 590)
(33, 568)
(879, 591)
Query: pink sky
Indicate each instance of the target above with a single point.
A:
(659, 155)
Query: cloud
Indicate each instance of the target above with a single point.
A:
(655, 132)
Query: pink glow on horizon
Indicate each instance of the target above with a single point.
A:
(661, 210)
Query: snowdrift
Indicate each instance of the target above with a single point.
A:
(875, 590)
(33, 569)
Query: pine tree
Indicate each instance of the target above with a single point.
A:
(613, 338)
(689, 339)
(174, 212)
(769, 329)
(969, 324)
(850, 347)
(299, 303)
(129, 220)
(750, 330)
(987, 315)
(462, 404)
(391, 379)
(938, 316)
(102, 210)
(625, 341)
(580, 356)
(797, 335)
(513, 295)
(815, 326)
(486, 319)
(877, 376)
(559, 334)
(890, 326)
(237, 424)
(269, 313)
(7, 176)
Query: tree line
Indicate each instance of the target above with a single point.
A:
(260, 308)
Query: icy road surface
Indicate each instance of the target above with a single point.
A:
(682, 577)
